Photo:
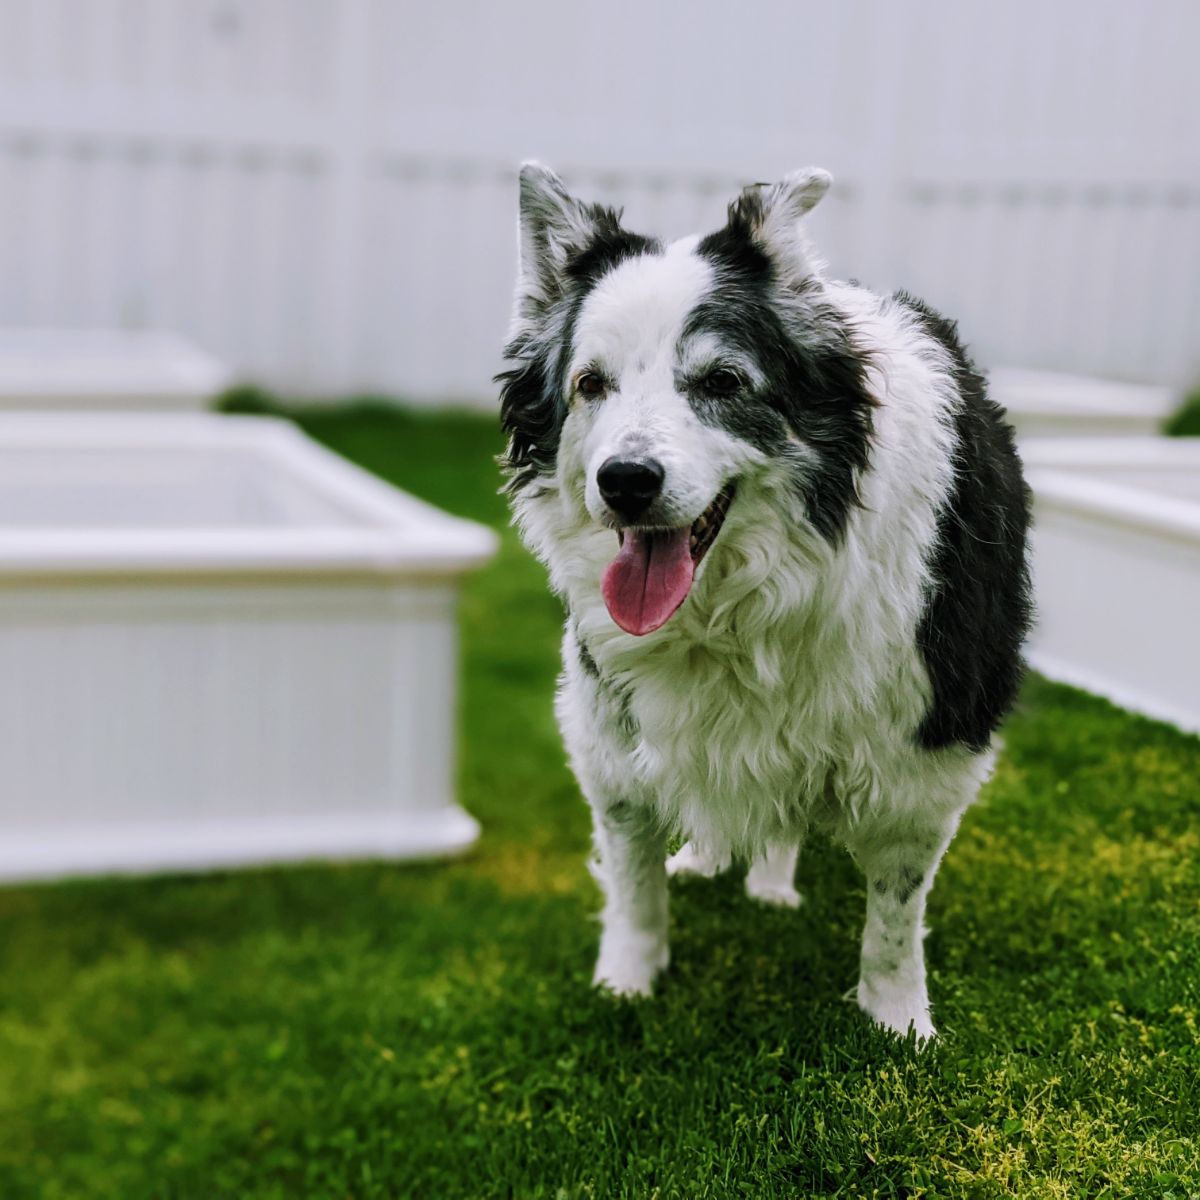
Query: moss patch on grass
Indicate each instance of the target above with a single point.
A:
(429, 1031)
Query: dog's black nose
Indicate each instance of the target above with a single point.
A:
(629, 486)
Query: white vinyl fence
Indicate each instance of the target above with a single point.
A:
(322, 191)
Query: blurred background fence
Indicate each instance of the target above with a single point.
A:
(322, 191)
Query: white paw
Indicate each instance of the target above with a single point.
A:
(629, 964)
(691, 860)
(769, 891)
(897, 1007)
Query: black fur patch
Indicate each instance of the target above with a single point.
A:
(532, 407)
(615, 693)
(910, 880)
(980, 606)
(617, 696)
(904, 884)
(586, 661)
(815, 376)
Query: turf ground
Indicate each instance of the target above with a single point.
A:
(429, 1031)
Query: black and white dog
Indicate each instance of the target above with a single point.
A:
(789, 529)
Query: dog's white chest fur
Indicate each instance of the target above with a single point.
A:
(730, 761)
(741, 736)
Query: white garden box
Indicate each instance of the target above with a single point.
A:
(1046, 403)
(101, 369)
(219, 644)
(1117, 569)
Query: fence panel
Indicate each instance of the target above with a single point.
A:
(323, 191)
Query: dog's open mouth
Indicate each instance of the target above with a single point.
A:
(654, 568)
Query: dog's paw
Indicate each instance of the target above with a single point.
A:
(692, 860)
(628, 965)
(899, 1008)
(771, 891)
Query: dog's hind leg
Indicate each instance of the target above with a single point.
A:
(695, 859)
(630, 848)
(771, 877)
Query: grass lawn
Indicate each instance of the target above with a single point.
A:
(429, 1031)
(1186, 422)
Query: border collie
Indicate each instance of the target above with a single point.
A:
(789, 528)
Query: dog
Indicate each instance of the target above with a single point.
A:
(789, 529)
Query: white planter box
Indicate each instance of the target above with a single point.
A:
(1117, 570)
(1048, 404)
(219, 644)
(101, 369)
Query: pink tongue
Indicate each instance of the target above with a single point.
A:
(649, 579)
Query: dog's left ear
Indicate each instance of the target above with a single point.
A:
(773, 214)
(552, 225)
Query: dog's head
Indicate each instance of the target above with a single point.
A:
(657, 388)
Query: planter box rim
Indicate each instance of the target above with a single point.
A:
(385, 531)
(1046, 394)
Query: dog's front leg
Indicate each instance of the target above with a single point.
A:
(597, 728)
(630, 868)
(899, 863)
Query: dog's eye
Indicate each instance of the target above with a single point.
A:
(722, 382)
(590, 384)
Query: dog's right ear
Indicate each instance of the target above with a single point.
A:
(773, 215)
(552, 225)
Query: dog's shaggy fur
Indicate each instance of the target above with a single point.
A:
(837, 653)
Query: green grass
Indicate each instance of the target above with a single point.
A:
(429, 1031)
(1186, 422)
